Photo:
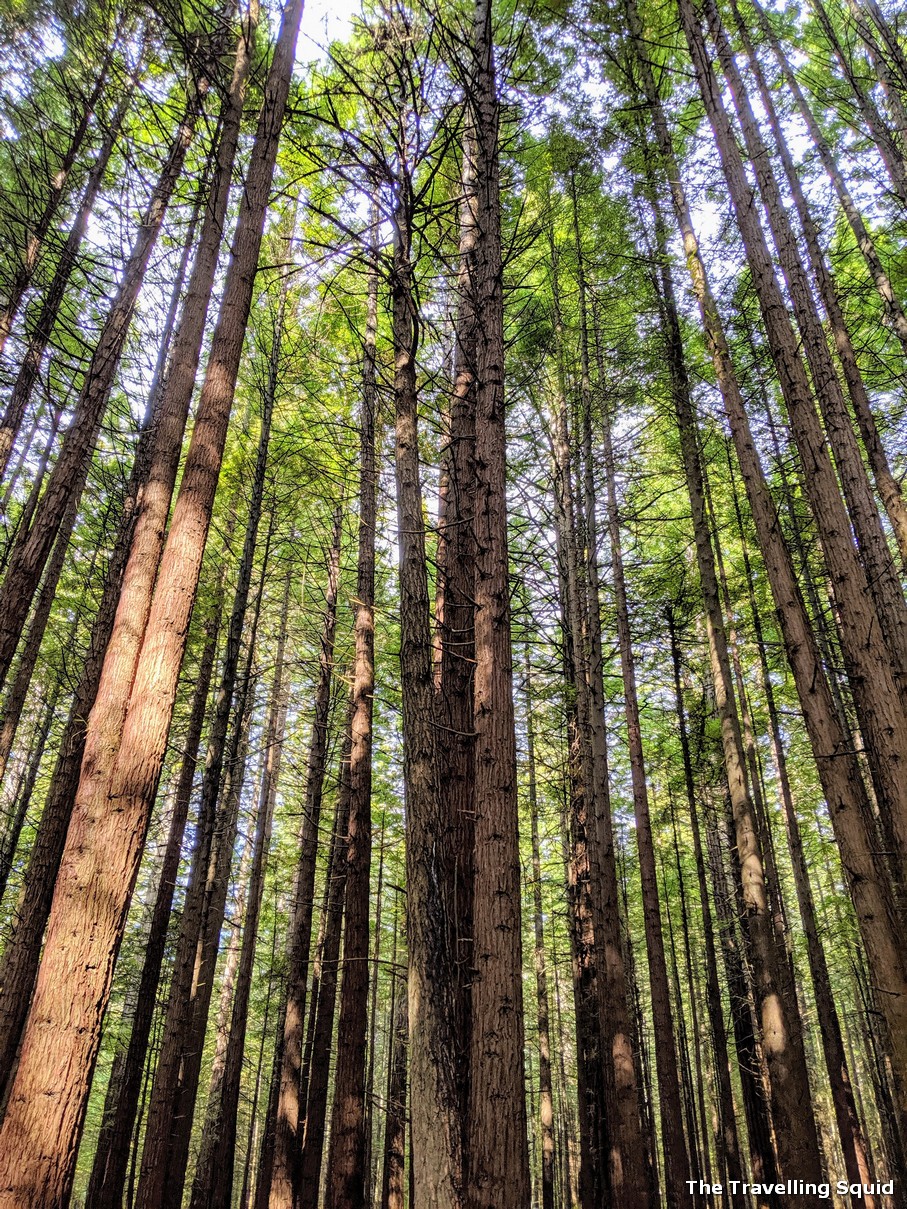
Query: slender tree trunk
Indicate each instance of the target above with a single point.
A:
(888, 487)
(312, 1125)
(40, 229)
(880, 571)
(892, 156)
(677, 1164)
(278, 1175)
(497, 1157)
(546, 1098)
(347, 1168)
(37, 1143)
(24, 789)
(853, 215)
(213, 1184)
(39, 338)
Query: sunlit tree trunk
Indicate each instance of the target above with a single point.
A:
(37, 1142)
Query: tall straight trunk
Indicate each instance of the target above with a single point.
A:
(593, 1072)
(546, 1096)
(887, 485)
(67, 479)
(436, 1130)
(138, 479)
(625, 1143)
(315, 1086)
(456, 577)
(392, 1196)
(756, 1106)
(38, 232)
(729, 1137)
(881, 573)
(850, 1132)
(37, 1148)
(19, 964)
(110, 1164)
(838, 767)
(862, 235)
(213, 1184)
(277, 1183)
(892, 155)
(496, 1150)
(39, 337)
(347, 1168)
(677, 1163)
(175, 1085)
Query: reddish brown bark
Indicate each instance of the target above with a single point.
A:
(496, 1151)
(37, 1142)
(347, 1168)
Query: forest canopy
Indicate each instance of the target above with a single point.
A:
(453, 634)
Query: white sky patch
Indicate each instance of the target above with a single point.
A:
(323, 22)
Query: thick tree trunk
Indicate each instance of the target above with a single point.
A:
(456, 579)
(110, 1164)
(37, 1142)
(175, 1085)
(729, 1137)
(496, 1151)
(67, 479)
(436, 1125)
(347, 1175)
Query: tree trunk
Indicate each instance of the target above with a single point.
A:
(888, 487)
(862, 235)
(435, 1141)
(38, 232)
(546, 1098)
(278, 1175)
(347, 1168)
(213, 1184)
(677, 1163)
(175, 1085)
(109, 1167)
(312, 1125)
(37, 1148)
(67, 479)
(496, 1151)
(39, 337)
